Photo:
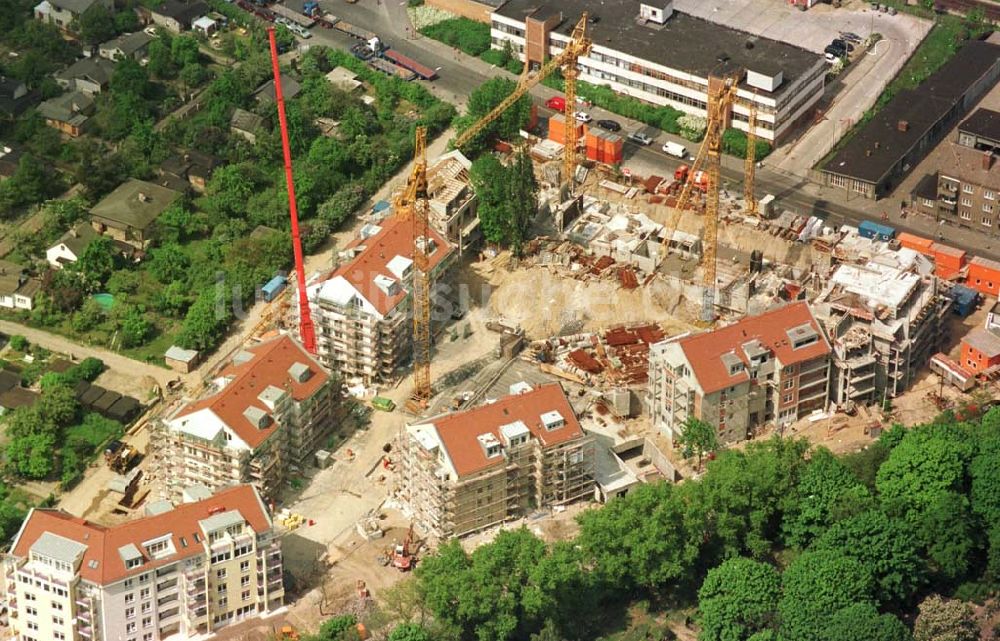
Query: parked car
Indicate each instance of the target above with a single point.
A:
(556, 102)
(583, 116)
(640, 138)
(850, 36)
(609, 125)
(675, 149)
(835, 52)
(843, 44)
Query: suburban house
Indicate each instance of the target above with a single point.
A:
(177, 16)
(265, 94)
(344, 79)
(771, 368)
(14, 97)
(128, 45)
(70, 246)
(17, 289)
(264, 415)
(88, 75)
(193, 167)
(68, 113)
(469, 470)
(65, 13)
(179, 571)
(129, 213)
(246, 124)
(363, 311)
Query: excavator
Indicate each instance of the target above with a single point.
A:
(402, 558)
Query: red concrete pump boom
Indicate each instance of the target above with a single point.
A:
(307, 330)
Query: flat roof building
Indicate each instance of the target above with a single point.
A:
(883, 152)
(981, 130)
(648, 50)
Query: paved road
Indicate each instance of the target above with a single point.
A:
(61, 344)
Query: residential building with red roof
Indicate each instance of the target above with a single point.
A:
(469, 470)
(768, 369)
(179, 571)
(363, 311)
(268, 410)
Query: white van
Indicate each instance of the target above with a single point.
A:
(675, 149)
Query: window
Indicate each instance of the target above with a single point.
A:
(147, 606)
(147, 622)
(31, 611)
(221, 588)
(788, 370)
(967, 188)
(58, 621)
(130, 597)
(245, 581)
(130, 628)
(57, 606)
(967, 202)
(787, 398)
(129, 583)
(989, 195)
(987, 221)
(220, 574)
(59, 636)
(244, 566)
(32, 626)
(988, 208)
(965, 214)
(246, 595)
(28, 596)
(789, 384)
(129, 613)
(144, 593)
(144, 577)
(223, 602)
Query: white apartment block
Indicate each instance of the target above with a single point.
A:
(362, 310)
(265, 413)
(768, 369)
(649, 51)
(177, 573)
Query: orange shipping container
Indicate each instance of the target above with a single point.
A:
(948, 257)
(984, 276)
(916, 243)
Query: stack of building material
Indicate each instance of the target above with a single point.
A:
(557, 129)
(604, 147)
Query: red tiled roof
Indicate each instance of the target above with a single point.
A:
(269, 366)
(394, 239)
(458, 431)
(704, 351)
(103, 542)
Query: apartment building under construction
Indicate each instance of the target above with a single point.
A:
(180, 572)
(363, 311)
(453, 202)
(469, 470)
(768, 369)
(266, 412)
(885, 319)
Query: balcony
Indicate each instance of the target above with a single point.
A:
(86, 631)
(167, 586)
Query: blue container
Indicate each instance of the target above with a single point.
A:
(964, 300)
(876, 231)
(273, 288)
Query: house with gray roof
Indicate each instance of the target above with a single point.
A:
(17, 289)
(66, 13)
(265, 94)
(14, 97)
(129, 213)
(127, 45)
(69, 113)
(70, 246)
(246, 124)
(89, 75)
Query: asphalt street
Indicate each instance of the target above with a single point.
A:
(458, 75)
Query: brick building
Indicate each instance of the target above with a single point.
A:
(771, 368)
(178, 572)
(473, 469)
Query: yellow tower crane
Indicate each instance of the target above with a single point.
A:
(578, 46)
(750, 165)
(721, 95)
(412, 203)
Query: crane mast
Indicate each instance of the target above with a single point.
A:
(750, 165)
(307, 331)
(577, 47)
(412, 203)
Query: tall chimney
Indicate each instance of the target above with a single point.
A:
(902, 125)
(987, 160)
(143, 198)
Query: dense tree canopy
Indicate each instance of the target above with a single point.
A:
(508, 198)
(738, 599)
(481, 101)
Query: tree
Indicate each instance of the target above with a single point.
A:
(126, 21)
(193, 75)
(817, 585)
(409, 632)
(168, 263)
(130, 78)
(945, 620)
(697, 438)
(827, 493)
(886, 547)
(97, 25)
(549, 632)
(160, 63)
(32, 455)
(184, 51)
(205, 322)
(339, 628)
(88, 317)
(19, 343)
(97, 263)
(945, 528)
(90, 368)
(172, 300)
(57, 405)
(927, 461)
(738, 599)
(135, 328)
(508, 198)
(482, 100)
(862, 621)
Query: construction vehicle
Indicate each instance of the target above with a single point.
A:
(288, 633)
(699, 179)
(707, 169)
(383, 404)
(123, 459)
(577, 47)
(402, 558)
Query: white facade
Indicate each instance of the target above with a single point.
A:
(662, 85)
